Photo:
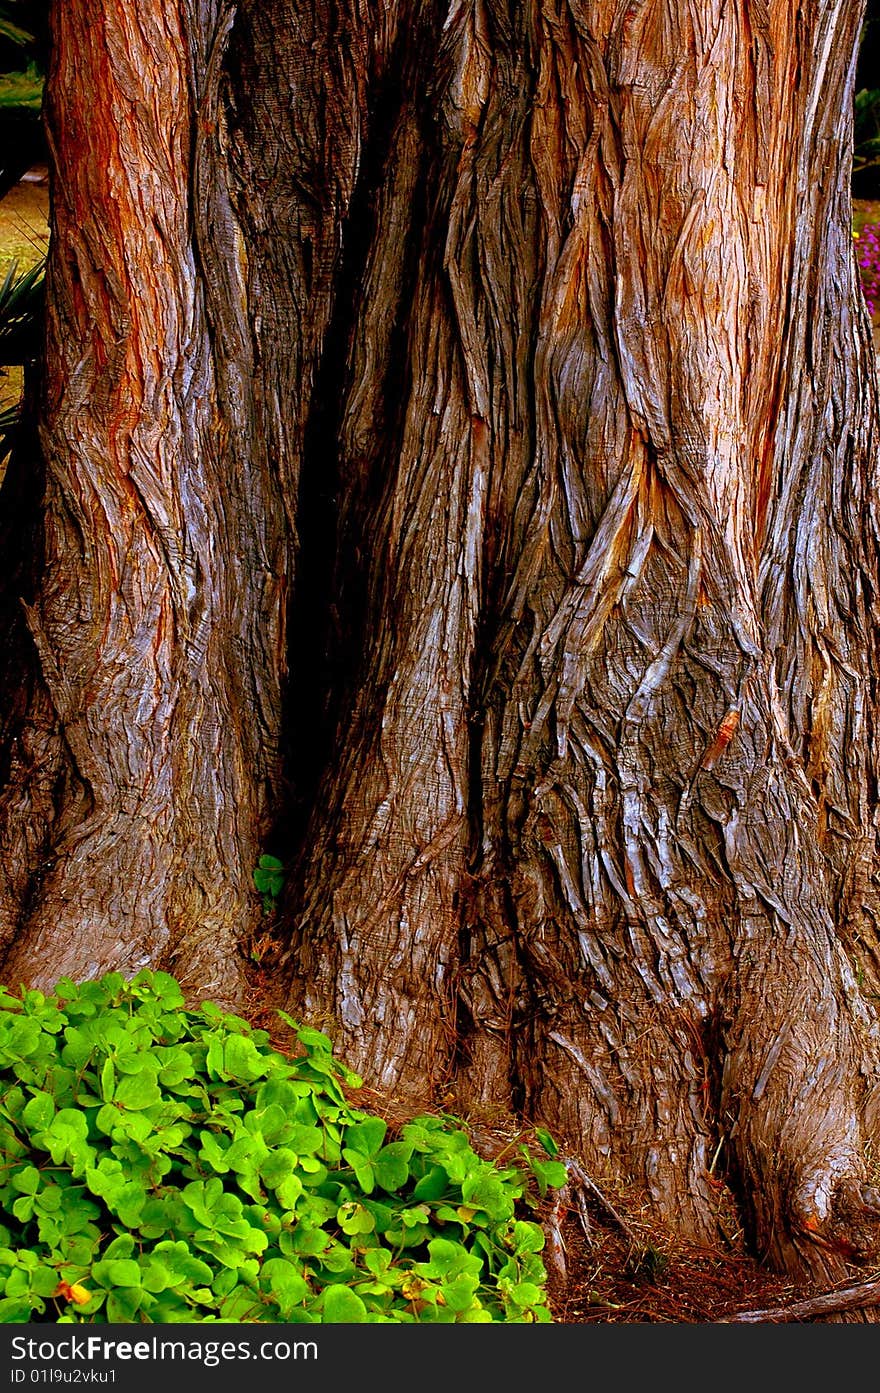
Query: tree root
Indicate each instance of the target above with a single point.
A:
(860, 1297)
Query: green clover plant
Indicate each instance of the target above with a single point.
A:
(161, 1164)
(269, 880)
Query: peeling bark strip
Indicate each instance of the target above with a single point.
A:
(552, 307)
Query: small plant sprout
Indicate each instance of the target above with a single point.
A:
(269, 880)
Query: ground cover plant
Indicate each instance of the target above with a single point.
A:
(161, 1164)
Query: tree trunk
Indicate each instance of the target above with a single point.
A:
(532, 334)
(146, 761)
(599, 842)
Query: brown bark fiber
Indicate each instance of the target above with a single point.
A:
(460, 439)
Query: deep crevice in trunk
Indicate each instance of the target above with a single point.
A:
(328, 633)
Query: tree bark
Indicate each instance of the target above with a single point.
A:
(147, 757)
(600, 842)
(507, 364)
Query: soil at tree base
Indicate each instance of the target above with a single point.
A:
(662, 1280)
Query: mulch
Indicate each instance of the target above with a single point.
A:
(663, 1280)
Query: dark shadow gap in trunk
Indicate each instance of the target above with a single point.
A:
(328, 612)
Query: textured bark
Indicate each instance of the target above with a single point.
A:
(600, 838)
(144, 767)
(510, 357)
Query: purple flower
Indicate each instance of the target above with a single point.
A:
(868, 259)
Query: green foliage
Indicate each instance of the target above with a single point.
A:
(22, 89)
(21, 320)
(24, 23)
(269, 880)
(10, 29)
(21, 311)
(161, 1164)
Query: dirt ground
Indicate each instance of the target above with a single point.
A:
(24, 227)
(657, 1280)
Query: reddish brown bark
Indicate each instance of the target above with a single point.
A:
(157, 615)
(627, 544)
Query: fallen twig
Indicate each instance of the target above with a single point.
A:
(846, 1299)
(581, 1182)
(580, 1200)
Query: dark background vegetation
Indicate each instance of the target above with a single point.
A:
(866, 171)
